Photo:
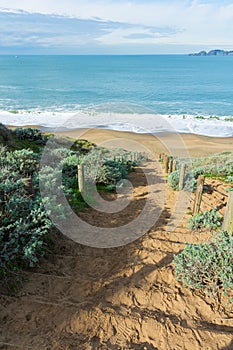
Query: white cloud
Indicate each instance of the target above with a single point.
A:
(203, 23)
(135, 35)
(19, 28)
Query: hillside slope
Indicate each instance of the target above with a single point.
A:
(123, 298)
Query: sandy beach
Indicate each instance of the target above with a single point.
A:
(196, 145)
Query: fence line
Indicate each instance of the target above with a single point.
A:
(170, 165)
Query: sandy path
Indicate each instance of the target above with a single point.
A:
(122, 298)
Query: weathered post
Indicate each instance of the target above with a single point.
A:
(198, 196)
(166, 160)
(174, 165)
(182, 176)
(81, 180)
(228, 218)
(27, 181)
(28, 184)
(170, 165)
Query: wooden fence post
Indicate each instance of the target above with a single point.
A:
(170, 165)
(182, 176)
(228, 218)
(174, 166)
(166, 164)
(81, 180)
(198, 196)
(28, 184)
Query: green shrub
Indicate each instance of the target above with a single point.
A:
(100, 168)
(210, 219)
(31, 134)
(54, 186)
(6, 136)
(114, 171)
(70, 171)
(83, 146)
(23, 222)
(23, 161)
(110, 172)
(190, 182)
(229, 179)
(217, 165)
(173, 180)
(207, 266)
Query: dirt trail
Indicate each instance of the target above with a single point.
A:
(122, 298)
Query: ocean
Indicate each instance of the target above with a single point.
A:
(134, 93)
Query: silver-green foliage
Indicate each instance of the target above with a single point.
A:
(23, 222)
(100, 167)
(53, 187)
(189, 181)
(173, 180)
(30, 134)
(210, 219)
(22, 161)
(207, 266)
(215, 165)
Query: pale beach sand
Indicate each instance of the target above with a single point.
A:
(196, 145)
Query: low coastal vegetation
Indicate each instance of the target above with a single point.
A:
(207, 267)
(25, 227)
(211, 219)
(218, 166)
(190, 181)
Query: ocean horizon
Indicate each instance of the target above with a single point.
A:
(139, 93)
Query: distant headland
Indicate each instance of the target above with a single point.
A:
(213, 53)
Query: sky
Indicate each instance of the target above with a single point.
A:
(115, 26)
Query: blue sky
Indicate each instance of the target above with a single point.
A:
(114, 26)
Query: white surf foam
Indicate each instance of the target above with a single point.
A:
(139, 123)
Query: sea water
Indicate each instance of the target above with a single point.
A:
(133, 93)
